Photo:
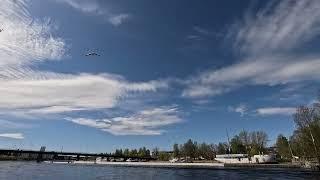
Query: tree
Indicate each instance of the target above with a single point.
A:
(155, 152)
(237, 147)
(205, 151)
(133, 152)
(258, 142)
(118, 152)
(176, 151)
(283, 148)
(163, 156)
(245, 140)
(148, 153)
(222, 148)
(190, 148)
(126, 152)
(142, 152)
(307, 120)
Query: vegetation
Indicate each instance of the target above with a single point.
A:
(283, 148)
(245, 142)
(142, 152)
(305, 141)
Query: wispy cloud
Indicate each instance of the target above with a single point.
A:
(12, 135)
(242, 109)
(201, 30)
(276, 111)
(266, 41)
(5, 124)
(26, 40)
(96, 8)
(69, 92)
(145, 122)
(86, 6)
(264, 71)
(278, 27)
(118, 19)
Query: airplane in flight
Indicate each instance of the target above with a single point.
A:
(92, 54)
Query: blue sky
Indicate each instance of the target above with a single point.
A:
(168, 71)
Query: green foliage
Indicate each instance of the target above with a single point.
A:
(258, 142)
(206, 151)
(305, 140)
(190, 149)
(155, 152)
(164, 156)
(143, 152)
(222, 148)
(283, 148)
(176, 151)
(245, 142)
(237, 147)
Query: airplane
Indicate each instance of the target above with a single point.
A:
(92, 54)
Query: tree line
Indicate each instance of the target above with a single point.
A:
(304, 143)
(141, 152)
(243, 143)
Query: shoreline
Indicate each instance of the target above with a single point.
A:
(189, 165)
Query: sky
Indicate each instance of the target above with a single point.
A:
(167, 71)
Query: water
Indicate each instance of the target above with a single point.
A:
(34, 171)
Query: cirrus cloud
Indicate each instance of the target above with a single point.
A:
(145, 122)
(266, 41)
(97, 8)
(12, 135)
(276, 111)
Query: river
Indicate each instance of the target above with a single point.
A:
(35, 171)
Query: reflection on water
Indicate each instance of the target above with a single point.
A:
(30, 170)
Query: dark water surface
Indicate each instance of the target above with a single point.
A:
(34, 171)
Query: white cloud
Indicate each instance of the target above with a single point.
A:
(279, 26)
(201, 30)
(86, 6)
(95, 7)
(5, 124)
(12, 135)
(25, 40)
(276, 111)
(242, 109)
(145, 122)
(117, 20)
(265, 71)
(267, 41)
(63, 93)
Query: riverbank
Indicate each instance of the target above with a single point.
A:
(188, 165)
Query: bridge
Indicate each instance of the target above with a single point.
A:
(55, 155)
